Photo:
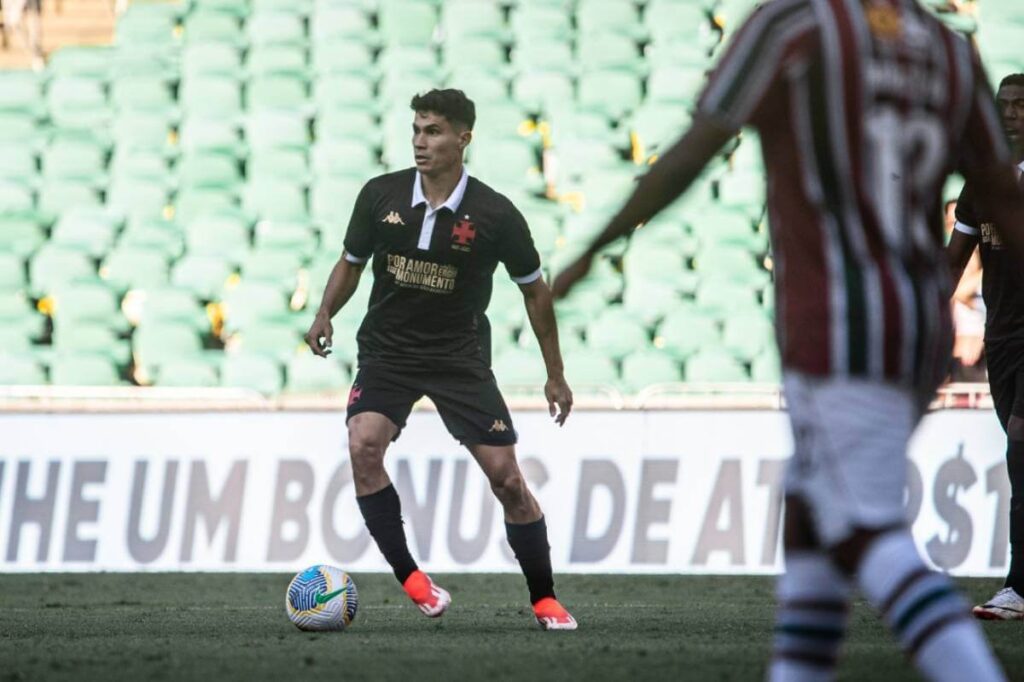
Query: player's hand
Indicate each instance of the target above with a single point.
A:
(568, 278)
(318, 338)
(559, 397)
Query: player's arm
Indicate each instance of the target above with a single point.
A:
(340, 286)
(958, 251)
(541, 311)
(672, 175)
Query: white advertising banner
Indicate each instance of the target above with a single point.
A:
(644, 492)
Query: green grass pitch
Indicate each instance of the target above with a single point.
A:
(233, 627)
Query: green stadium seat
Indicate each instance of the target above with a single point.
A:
(649, 300)
(75, 157)
(616, 334)
(92, 61)
(160, 63)
(344, 91)
(209, 169)
(20, 92)
(279, 340)
(406, 22)
(20, 234)
(210, 59)
(167, 305)
(278, 164)
(276, 59)
(611, 93)
(18, 315)
(59, 196)
(138, 131)
(654, 262)
(684, 331)
(607, 50)
(590, 369)
(552, 55)
(722, 298)
(580, 157)
(147, 24)
(344, 157)
(397, 87)
(94, 302)
(139, 164)
(609, 16)
(307, 373)
(129, 267)
(20, 128)
(12, 272)
(89, 230)
(463, 20)
(276, 92)
(142, 93)
(73, 339)
(408, 59)
(518, 370)
(723, 226)
(203, 26)
(275, 27)
(712, 365)
(732, 264)
(576, 312)
(672, 19)
(18, 163)
(742, 189)
(546, 232)
(210, 96)
(187, 373)
(747, 335)
(539, 90)
(342, 23)
(276, 128)
(532, 23)
(657, 125)
(275, 199)
(509, 162)
(675, 84)
(343, 123)
(276, 267)
(14, 342)
(19, 370)
(210, 134)
(140, 198)
(287, 237)
(15, 197)
(224, 234)
(341, 56)
(253, 302)
(146, 232)
(331, 201)
(235, 8)
(156, 344)
(766, 367)
(194, 202)
(256, 372)
(78, 103)
(644, 368)
(677, 52)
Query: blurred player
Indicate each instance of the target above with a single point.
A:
(436, 236)
(1003, 292)
(863, 107)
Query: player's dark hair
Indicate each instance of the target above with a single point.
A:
(1013, 79)
(450, 103)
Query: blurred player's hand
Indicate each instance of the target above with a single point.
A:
(559, 397)
(319, 336)
(568, 278)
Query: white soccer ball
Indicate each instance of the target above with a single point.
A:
(322, 598)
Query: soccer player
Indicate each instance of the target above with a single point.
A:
(436, 236)
(863, 108)
(1003, 292)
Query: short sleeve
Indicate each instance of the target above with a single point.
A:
(753, 63)
(516, 249)
(966, 213)
(359, 236)
(983, 145)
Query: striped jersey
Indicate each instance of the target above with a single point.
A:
(864, 107)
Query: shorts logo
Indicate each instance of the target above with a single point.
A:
(392, 218)
(354, 395)
(498, 426)
(463, 235)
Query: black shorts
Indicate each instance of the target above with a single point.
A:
(468, 401)
(1006, 381)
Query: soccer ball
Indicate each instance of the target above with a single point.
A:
(322, 598)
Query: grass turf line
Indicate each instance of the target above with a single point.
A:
(172, 626)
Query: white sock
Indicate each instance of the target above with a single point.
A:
(811, 619)
(924, 611)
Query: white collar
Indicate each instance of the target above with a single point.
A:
(451, 203)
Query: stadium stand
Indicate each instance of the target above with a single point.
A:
(171, 203)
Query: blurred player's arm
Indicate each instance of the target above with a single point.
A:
(541, 311)
(340, 286)
(959, 250)
(672, 175)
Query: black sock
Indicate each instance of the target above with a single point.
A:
(382, 512)
(1015, 468)
(529, 541)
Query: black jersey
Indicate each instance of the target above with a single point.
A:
(1002, 284)
(433, 269)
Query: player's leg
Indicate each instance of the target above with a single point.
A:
(379, 405)
(853, 482)
(1008, 396)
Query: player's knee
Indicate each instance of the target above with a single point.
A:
(509, 486)
(366, 452)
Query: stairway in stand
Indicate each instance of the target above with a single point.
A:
(65, 22)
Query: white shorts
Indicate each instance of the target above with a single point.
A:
(850, 451)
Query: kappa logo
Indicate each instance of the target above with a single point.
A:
(498, 427)
(392, 218)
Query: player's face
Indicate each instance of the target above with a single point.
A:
(437, 144)
(1011, 106)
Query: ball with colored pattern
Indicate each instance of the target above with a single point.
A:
(322, 598)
